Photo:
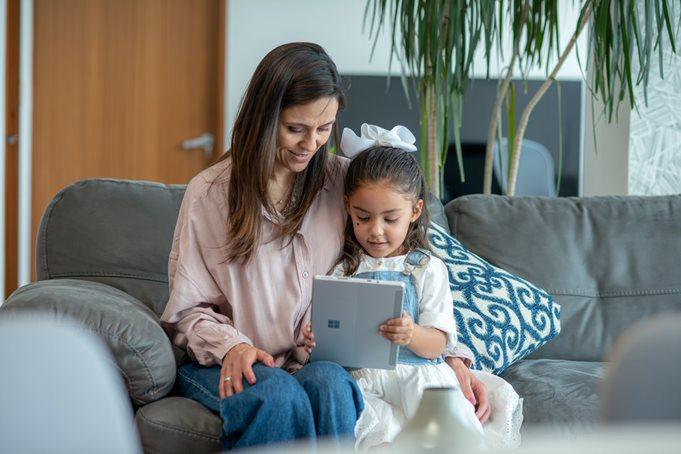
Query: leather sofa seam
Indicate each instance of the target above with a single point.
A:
(175, 429)
(154, 387)
(587, 293)
(102, 274)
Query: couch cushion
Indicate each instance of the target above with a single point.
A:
(608, 261)
(561, 394)
(115, 232)
(501, 317)
(130, 330)
(437, 212)
(178, 425)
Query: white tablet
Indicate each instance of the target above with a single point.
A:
(346, 316)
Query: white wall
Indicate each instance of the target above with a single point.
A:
(605, 166)
(254, 27)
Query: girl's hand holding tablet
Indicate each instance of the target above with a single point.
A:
(399, 330)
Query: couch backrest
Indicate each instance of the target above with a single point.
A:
(118, 232)
(608, 261)
(115, 232)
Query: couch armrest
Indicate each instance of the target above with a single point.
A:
(141, 349)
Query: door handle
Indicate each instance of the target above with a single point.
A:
(205, 141)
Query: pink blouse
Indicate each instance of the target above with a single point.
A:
(214, 305)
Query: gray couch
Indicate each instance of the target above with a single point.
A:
(102, 254)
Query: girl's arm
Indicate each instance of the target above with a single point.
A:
(436, 320)
(428, 342)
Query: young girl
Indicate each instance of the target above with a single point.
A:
(386, 239)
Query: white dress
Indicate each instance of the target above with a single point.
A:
(391, 397)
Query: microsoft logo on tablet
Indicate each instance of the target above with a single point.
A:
(334, 323)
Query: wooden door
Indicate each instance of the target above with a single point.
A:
(12, 161)
(119, 85)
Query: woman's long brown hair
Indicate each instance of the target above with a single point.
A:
(291, 74)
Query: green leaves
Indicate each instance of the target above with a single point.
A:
(436, 41)
(624, 34)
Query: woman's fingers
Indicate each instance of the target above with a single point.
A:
(237, 365)
(309, 338)
(484, 408)
(483, 413)
(225, 386)
(265, 358)
(247, 362)
(237, 379)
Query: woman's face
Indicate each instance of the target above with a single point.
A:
(302, 130)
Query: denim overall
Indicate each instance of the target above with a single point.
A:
(410, 304)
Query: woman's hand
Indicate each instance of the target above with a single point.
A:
(474, 390)
(238, 365)
(399, 330)
(308, 342)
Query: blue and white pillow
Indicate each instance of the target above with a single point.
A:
(499, 316)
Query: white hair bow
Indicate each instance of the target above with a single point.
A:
(372, 135)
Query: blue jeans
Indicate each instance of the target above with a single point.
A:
(320, 400)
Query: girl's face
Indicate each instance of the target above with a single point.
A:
(381, 217)
(302, 130)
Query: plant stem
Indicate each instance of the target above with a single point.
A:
(433, 144)
(525, 117)
(491, 132)
(496, 110)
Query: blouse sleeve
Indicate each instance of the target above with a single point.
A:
(436, 309)
(192, 312)
(461, 351)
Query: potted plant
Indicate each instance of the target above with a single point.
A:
(435, 41)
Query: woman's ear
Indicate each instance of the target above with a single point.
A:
(418, 210)
(347, 203)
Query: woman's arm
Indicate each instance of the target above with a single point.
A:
(473, 388)
(192, 312)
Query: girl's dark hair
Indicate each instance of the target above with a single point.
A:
(291, 74)
(402, 172)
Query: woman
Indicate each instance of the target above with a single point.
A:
(252, 232)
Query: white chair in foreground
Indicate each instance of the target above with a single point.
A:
(60, 392)
(642, 381)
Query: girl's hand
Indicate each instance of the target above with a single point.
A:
(309, 342)
(237, 365)
(399, 330)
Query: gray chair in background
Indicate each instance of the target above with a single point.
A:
(536, 174)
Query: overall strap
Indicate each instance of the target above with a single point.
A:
(417, 257)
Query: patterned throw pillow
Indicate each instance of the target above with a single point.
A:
(499, 316)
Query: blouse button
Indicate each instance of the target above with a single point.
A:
(306, 274)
